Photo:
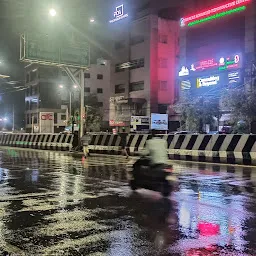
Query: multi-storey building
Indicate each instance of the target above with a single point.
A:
(97, 82)
(217, 48)
(43, 95)
(143, 75)
(50, 90)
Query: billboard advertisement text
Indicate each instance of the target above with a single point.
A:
(159, 122)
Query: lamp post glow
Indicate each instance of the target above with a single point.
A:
(92, 20)
(52, 12)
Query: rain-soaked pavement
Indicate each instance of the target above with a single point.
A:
(53, 204)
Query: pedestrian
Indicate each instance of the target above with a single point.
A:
(75, 141)
(123, 135)
(86, 141)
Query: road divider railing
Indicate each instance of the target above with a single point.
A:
(232, 148)
(62, 142)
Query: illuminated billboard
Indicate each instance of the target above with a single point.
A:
(207, 81)
(159, 122)
(215, 12)
(204, 83)
(221, 63)
(119, 14)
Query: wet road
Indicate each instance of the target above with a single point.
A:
(53, 204)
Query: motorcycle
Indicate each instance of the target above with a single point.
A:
(158, 178)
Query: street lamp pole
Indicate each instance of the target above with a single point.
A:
(13, 116)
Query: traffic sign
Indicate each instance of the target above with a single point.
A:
(49, 50)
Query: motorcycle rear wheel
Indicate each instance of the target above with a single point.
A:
(133, 185)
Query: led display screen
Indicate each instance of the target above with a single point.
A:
(203, 83)
(221, 63)
(215, 12)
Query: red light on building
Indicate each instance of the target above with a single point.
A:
(208, 229)
(206, 64)
(213, 11)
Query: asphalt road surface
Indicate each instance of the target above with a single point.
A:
(54, 204)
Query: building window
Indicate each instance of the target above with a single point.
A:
(119, 44)
(163, 63)
(27, 105)
(139, 63)
(27, 78)
(33, 105)
(100, 104)
(34, 90)
(137, 39)
(33, 76)
(63, 117)
(28, 92)
(163, 39)
(119, 88)
(87, 75)
(87, 89)
(34, 119)
(137, 86)
(163, 86)
(118, 68)
(99, 76)
(55, 118)
(28, 119)
(99, 90)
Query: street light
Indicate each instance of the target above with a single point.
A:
(52, 12)
(92, 20)
(61, 86)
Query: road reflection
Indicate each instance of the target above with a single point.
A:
(53, 203)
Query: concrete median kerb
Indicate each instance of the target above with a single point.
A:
(229, 149)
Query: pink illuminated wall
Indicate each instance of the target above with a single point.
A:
(163, 52)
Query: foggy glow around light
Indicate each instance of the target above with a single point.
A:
(214, 12)
(52, 12)
(216, 16)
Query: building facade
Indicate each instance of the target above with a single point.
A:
(49, 90)
(44, 95)
(97, 82)
(217, 48)
(143, 74)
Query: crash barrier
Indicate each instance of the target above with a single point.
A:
(233, 149)
(37, 141)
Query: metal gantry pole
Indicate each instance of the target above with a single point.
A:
(82, 103)
(70, 104)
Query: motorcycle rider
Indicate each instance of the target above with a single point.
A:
(156, 150)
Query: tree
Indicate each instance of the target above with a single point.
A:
(196, 112)
(242, 105)
(93, 113)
